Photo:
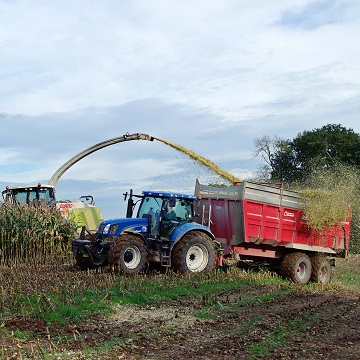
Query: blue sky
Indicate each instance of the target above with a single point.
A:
(209, 75)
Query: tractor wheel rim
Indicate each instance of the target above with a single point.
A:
(132, 257)
(197, 258)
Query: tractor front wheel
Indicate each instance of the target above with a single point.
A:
(194, 253)
(128, 255)
(297, 267)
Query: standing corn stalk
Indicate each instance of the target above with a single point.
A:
(33, 235)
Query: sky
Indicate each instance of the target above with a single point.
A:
(209, 75)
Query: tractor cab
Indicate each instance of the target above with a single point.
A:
(165, 212)
(159, 215)
(30, 195)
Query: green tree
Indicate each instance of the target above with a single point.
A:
(293, 160)
(324, 147)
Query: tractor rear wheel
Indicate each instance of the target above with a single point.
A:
(321, 269)
(297, 267)
(194, 253)
(128, 254)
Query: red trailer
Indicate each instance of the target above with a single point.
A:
(253, 221)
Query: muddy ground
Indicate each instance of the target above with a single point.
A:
(252, 322)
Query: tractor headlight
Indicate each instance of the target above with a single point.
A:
(106, 229)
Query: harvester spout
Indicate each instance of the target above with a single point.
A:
(127, 137)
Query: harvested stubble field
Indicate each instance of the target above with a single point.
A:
(59, 312)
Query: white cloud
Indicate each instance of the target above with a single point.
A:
(225, 57)
(208, 75)
(7, 155)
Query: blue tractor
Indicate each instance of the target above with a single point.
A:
(162, 233)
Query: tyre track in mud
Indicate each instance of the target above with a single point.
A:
(314, 327)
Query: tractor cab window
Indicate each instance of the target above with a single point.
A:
(30, 195)
(149, 205)
(177, 209)
(150, 208)
(21, 197)
(184, 209)
(174, 212)
(46, 195)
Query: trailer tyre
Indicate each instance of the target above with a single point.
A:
(321, 269)
(297, 267)
(194, 253)
(128, 255)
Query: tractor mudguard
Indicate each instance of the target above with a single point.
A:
(183, 229)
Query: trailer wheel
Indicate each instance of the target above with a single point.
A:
(194, 253)
(321, 269)
(297, 267)
(128, 255)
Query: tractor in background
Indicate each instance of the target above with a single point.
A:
(82, 212)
